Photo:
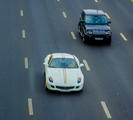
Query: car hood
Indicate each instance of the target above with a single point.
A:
(97, 27)
(66, 76)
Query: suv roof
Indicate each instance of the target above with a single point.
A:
(93, 12)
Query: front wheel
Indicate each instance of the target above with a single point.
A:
(83, 38)
(109, 41)
(79, 30)
(45, 83)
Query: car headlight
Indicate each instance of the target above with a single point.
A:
(50, 79)
(79, 80)
(107, 32)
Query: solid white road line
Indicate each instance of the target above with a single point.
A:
(30, 106)
(107, 16)
(73, 35)
(23, 34)
(64, 14)
(86, 65)
(21, 13)
(106, 109)
(122, 35)
(26, 62)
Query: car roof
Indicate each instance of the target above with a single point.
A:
(93, 12)
(62, 55)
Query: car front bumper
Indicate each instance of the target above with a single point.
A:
(62, 88)
(98, 37)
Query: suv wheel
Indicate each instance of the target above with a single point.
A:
(79, 30)
(109, 41)
(83, 38)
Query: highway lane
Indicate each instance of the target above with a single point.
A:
(97, 87)
(13, 75)
(48, 31)
(122, 12)
(42, 49)
(125, 20)
(50, 37)
(53, 35)
(123, 15)
(126, 108)
(121, 56)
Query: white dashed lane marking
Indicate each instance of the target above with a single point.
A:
(86, 65)
(106, 109)
(73, 35)
(122, 35)
(26, 62)
(21, 13)
(96, 1)
(23, 34)
(107, 16)
(30, 106)
(64, 14)
(58, 0)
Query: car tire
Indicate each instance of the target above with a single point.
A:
(109, 41)
(83, 38)
(79, 31)
(45, 85)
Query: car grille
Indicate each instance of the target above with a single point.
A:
(99, 36)
(65, 87)
(98, 32)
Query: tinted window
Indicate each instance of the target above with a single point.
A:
(95, 20)
(63, 63)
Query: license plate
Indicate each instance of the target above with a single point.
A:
(98, 38)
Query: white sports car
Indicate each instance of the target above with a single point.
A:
(62, 72)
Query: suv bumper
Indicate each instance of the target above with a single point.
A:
(98, 37)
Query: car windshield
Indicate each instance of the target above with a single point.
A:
(96, 19)
(63, 63)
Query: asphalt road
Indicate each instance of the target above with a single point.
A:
(31, 29)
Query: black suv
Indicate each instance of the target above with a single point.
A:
(93, 25)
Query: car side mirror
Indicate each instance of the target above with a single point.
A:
(109, 22)
(81, 65)
(44, 63)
